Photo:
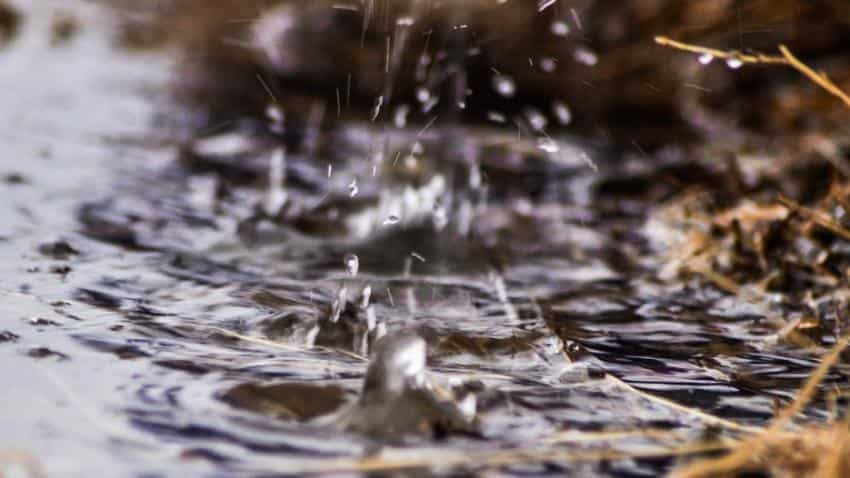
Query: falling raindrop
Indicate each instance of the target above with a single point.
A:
(535, 119)
(404, 21)
(352, 264)
(560, 28)
(585, 56)
(352, 188)
(441, 218)
(365, 296)
(422, 94)
(496, 117)
(562, 112)
(339, 304)
(330, 170)
(705, 58)
(276, 196)
(417, 256)
(276, 117)
(376, 110)
(400, 117)
(547, 64)
(504, 85)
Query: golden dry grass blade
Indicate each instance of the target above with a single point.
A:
(696, 413)
(818, 78)
(751, 452)
(787, 58)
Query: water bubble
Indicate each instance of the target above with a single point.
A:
(705, 58)
(352, 188)
(559, 28)
(734, 63)
(390, 220)
(504, 85)
(562, 112)
(352, 264)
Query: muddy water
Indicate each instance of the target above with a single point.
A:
(158, 321)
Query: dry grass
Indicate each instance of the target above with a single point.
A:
(787, 58)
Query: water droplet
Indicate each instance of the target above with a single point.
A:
(376, 110)
(504, 85)
(352, 188)
(589, 161)
(430, 104)
(734, 63)
(496, 117)
(559, 28)
(562, 112)
(365, 296)
(422, 94)
(352, 264)
(339, 304)
(547, 64)
(441, 218)
(276, 196)
(585, 56)
(400, 117)
(390, 220)
(548, 144)
(536, 119)
(705, 58)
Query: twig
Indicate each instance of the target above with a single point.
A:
(754, 58)
(819, 78)
(787, 58)
(699, 414)
(818, 218)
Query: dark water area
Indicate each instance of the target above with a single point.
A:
(164, 315)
